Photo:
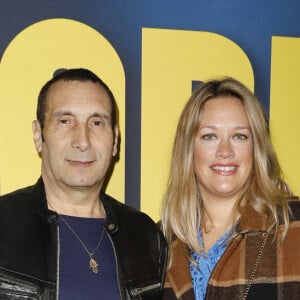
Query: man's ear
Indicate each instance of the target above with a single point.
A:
(116, 140)
(37, 135)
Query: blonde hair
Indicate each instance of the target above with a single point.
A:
(265, 191)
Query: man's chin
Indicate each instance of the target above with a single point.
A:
(81, 184)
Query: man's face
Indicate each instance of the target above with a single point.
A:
(79, 141)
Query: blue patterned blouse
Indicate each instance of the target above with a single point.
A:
(206, 263)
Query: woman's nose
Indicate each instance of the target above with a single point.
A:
(224, 149)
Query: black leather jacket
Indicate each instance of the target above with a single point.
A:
(29, 245)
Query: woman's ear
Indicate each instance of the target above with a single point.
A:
(37, 135)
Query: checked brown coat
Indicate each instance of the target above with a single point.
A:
(255, 266)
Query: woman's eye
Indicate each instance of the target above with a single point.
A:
(240, 137)
(208, 137)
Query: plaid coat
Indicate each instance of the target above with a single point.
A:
(255, 265)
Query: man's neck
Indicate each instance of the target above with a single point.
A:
(80, 202)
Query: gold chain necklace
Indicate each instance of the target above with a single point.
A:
(93, 263)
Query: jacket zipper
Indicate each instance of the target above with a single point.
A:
(57, 261)
(137, 291)
(117, 266)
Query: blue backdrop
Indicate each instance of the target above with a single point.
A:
(250, 24)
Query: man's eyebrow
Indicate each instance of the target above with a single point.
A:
(62, 113)
(100, 115)
(68, 113)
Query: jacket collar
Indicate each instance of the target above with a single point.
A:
(112, 224)
(39, 196)
(251, 221)
(179, 277)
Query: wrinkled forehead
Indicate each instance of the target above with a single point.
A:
(78, 93)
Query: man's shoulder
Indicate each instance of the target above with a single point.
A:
(111, 203)
(125, 213)
(22, 201)
(16, 195)
(294, 206)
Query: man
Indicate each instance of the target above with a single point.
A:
(63, 238)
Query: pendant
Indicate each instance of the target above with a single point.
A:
(93, 265)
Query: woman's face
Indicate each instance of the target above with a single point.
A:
(223, 149)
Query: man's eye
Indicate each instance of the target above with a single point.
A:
(65, 121)
(97, 123)
(208, 137)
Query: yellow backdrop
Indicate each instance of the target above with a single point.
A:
(26, 65)
(171, 59)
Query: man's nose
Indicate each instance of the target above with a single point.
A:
(81, 138)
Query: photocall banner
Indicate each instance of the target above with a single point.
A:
(151, 54)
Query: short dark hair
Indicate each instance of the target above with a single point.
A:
(78, 74)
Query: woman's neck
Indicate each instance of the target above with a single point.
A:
(217, 218)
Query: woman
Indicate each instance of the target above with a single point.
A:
(233, 230)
